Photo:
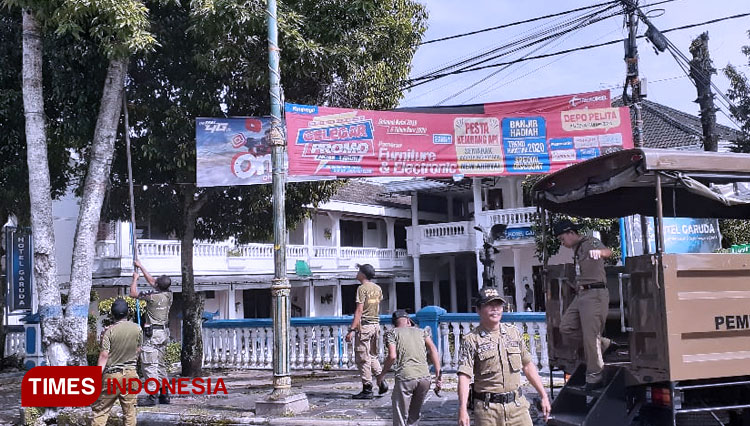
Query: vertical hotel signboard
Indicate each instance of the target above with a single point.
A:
(20, 273)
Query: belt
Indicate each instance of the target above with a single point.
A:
(113, 370)
(500, 398)
(159, 326)
(591, 286)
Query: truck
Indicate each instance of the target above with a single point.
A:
(682, 318)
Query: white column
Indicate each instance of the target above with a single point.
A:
(336, 233)
(390, 232)
(231, 310)
(416, 235)
(392, 302)
(309, 238)
(469, 285)
(436, 287)
(476, 189)
(517, 278)
(337, 298)
(417, 285)
(311, 300)
(454, 292)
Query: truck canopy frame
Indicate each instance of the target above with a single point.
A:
(693, 184)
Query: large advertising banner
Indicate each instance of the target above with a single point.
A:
(340, 142)
(598, 99)
(20, 273)
(234, 151)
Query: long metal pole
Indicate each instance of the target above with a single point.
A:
(133, 245)
(282, 381)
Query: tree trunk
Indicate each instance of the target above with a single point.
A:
(45, 264)
(191, 356)
(94, 189)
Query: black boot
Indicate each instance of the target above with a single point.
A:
(382, 387)
(164, 397)
(149, 401)
(366, 392)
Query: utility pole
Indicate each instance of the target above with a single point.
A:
(281, 399)
(631, 75)
(701, 69)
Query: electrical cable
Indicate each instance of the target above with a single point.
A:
(562, 29)
(562, 52)
(526, 21)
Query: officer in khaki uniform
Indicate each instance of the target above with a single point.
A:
(583, 322)
(494, 355)
(119, 351)
(156, 318)
(366, 325)
(408, 347)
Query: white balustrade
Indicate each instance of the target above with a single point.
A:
(522, 216)
(449, 229)
(322, 346)
(14, 343)
(105, 248)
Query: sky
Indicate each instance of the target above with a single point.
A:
(582, 71)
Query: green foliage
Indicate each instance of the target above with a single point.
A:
(734, 232)
(105, 308)
(739, 93)
(172, 354)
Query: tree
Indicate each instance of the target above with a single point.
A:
(739, 93)
(212, 61)
(119, 28)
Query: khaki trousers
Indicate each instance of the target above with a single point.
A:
(152, 356)
(104, 404)
(496, 414)
(414, 391)
(583, 323)
(366, 352)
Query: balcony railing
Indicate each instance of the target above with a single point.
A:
(318, 343)
(14, 341)
(256, 258)
(451, 237)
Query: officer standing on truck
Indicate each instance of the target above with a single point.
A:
(494, 355)
(584, 320)
(155, 330)
(119, 351)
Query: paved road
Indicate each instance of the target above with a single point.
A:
(328, 393)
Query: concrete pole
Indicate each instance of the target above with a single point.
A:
(436, 287)
(392, 302)
(452, 274)
(311, 300)
(476, 189)
(231, 310)
(416, 236)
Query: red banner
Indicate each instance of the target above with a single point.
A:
(599, 99)
(341, 142)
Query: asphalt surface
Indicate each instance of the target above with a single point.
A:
(328, 392)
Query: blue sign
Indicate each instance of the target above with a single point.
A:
(519, 233)
(681, 235)
(19, 271)
(525, 145)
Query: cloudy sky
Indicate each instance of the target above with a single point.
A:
(581, 71)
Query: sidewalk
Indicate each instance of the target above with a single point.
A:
(328, 392)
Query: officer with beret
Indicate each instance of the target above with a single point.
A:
(120, 345)
(366, 330)
(583, 322)
(156, 328)
(494, 354)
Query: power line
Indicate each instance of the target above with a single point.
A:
(513, 24)
(538, 18)
(418, 81)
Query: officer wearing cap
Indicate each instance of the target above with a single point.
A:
(494, 354)
(119, 351)
(583, 322)
(156, 318)
(366, 329)
(408, 347)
